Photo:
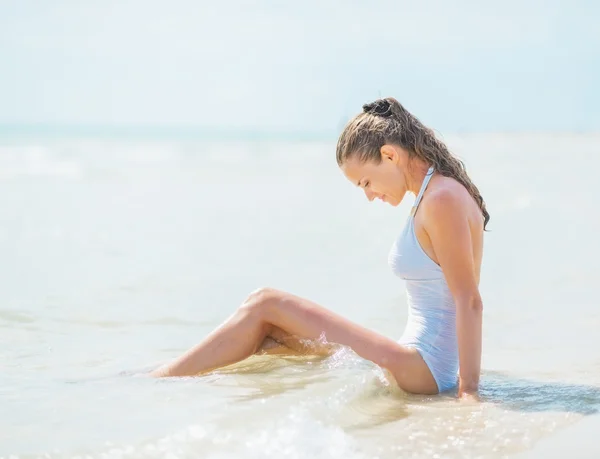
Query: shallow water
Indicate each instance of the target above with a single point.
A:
(120, 254)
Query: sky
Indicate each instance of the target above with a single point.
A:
(300, 66)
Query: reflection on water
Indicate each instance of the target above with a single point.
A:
(353, 399)
(271, 375)
(529, 395)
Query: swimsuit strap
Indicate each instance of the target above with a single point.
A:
(422, 190)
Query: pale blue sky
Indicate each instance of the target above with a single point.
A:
(300, 66)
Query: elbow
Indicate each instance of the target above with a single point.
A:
(477, 305)
(472, 303)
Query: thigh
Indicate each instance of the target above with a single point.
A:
(303, 318)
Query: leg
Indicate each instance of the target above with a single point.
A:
(280, 342)
(267, 310)
(271, 347)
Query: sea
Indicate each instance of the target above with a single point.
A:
(118, 253)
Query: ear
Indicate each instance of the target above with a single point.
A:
(389, 153)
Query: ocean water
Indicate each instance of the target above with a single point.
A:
(118, 255)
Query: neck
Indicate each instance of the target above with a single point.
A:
(417, 173)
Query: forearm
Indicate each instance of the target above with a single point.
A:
(468, 331)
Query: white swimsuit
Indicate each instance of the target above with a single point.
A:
(431, 327)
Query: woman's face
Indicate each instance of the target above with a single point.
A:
(385, 180)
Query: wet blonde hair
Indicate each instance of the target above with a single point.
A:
(386, 121)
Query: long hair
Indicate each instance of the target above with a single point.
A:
(386, 121)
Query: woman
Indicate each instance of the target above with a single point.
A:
(387, 152)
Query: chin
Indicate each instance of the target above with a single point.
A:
(393, 201)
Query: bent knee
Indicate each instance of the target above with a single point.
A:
(261, 298)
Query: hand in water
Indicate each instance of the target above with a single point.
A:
(468, 396)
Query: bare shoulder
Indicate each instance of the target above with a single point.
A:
(446, 198)
(447, 202)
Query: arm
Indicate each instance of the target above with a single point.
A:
(448, 227)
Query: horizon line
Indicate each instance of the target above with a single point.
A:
(219, 132)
